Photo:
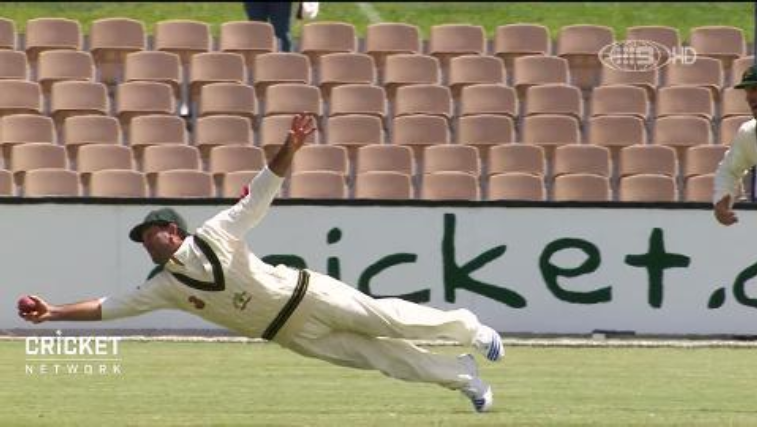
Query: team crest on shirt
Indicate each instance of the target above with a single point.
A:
(198, 303)
(241, 299)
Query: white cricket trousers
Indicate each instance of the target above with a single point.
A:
(339, 324)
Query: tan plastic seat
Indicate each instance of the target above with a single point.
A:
(110, 40)
(451, 158)
(685, 101)
(96, 157)
(318, 185)
(620, 100)
(322, 38)
(488, 99)
(345, 68)
(734, 103)
(13, 65)
(215, 67)
(664, 35)
(184, 184)
(521, 158)
(420, 131)
(648, 188)
(582, 187)
(134, 99)
(51, 33)
(699, 188)
(185, 38)
(280, 67)
(648, 80)
(151, 66)
(516, 186)
(229, 99)
(247, 38)
(354, 131)
(20, 97)
(405, 69)
(435, 100)
(24, 128)
(159, 158)
(390, 38)
(554, 98)
(703, 159)
(224, 159)
(536, 70)
(235, 183)
(452, 40)
(119, 183)
(273, 133)
(724, 43)
(738, 67)
(582, 158)
(293, 98)
(515, 40)
(617, 131)
(383, 185)
(52, 182)
(213, 131)
(450, 186)
(729, 127)
(156, 129)
(7, 187)
(331, 158)
(37, 155)
(648, 159)
(485, 130)
(469, 70)
(551, 130)
(90, 129)
(705, 72)
(358, 99)
(682, 131)
(75, 98)
(385, 158)
(580, 45)
(8, 36)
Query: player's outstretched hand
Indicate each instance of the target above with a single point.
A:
(723, 212)
(40, 313)
(303, 125)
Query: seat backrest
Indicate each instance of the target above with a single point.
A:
(389, 185)
(450, 186)
(585, 187)
(516, 186)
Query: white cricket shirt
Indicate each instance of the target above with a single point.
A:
(739, 158)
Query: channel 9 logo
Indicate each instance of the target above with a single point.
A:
(644, 55)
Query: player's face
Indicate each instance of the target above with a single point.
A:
(160, 242)
(751, 99)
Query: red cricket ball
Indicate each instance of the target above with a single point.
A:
(26, 304)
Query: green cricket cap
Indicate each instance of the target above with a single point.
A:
(162, 216)
(749, 78)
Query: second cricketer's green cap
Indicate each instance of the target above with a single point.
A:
(749, 79)
(163, 216)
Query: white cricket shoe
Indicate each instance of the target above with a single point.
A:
(479, 393)
(489, 343)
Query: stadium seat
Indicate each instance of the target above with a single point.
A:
(118, 183)
(383, 185)
(648, 188)
(516, 186)
(580, 45)
(450, 186)
(293, 98)
(729, 126)
(25, 128)
(550, 130)
(235, 182)
(685, 101)
(738, 67)
(185, 38)
(404, 69)
(322, 38)
(6, 183)
(273, 133)
(331, 158)
(583, 187)
(435, 100)
(354, 131)
(13, 65)
(213, 131)
(682, 131)
(582, 158)
(520, 158)
(515, 40)
(451, 158)
(215, 67)
(318, 185)
(52, 182)
(96, 157)
(647, 159)
(620, 100)
(469, 70)
(36, 155)
(617, 131)
(648, 80)
(358, 99)
(90, 129)
(151, 66)
(229, 99)
(734, 103)
(452, 40)
(8, 36)
(232, 158)
(20, 97)
(184, 184)
(345, 68)
(420, 131)
(110, 40)
(664, 35)
(51, 33)
(390, 38)
(134, 99)
(247, 38)
(62, 65)
(385, 158)
(156, 129)
(159, 158)
(719, 42)
(705, 72)
(74, 98)
(554, 98)
(485, 130)
(699, 188)
(280, 67)
(488, 99)
(703, 159)
(538, 69)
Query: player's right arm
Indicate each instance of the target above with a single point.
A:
(739, 158)
(44, 312)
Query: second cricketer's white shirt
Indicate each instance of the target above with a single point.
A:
(739, 158)
(254, 292)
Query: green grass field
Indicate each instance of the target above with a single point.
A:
(195, 384)
(619, 16)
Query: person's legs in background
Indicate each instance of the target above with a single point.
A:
(280, 14)
(256, 10)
